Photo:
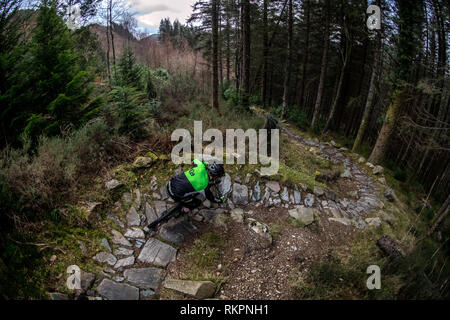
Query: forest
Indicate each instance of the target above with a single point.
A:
(78, 104)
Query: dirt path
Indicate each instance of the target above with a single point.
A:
(253, 271)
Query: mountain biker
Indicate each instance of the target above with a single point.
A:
(185, 187)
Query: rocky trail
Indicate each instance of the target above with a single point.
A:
(262, 251)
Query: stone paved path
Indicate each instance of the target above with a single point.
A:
(135, 266)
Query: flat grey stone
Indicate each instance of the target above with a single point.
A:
(125, 262)
(163, 191)
(256, 196)
(105, 244)
(176, 231)
(87, 280)
(133, 218)
(309, 200)
(378, 170)
(157, 253)
(303, 215)
(146, 278)
(297, 197)
(113, 184)
(160, 207)
(117, 291)
(285, 195)
(105, 257)
(123, 252)
(196, 289)
(318, 191)
(225, 184)
(135, 233)
(150, 213)
(240, 194)
(119, 239)
(273, 186)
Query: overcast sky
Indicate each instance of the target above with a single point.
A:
(150, 12)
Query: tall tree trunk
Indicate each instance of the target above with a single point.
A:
(112, 36)
(324, 65)
(288, 65)
(346, 57)
(228, 43)
(410, 26)
(246, 51)
(305, 53)
(370, 96)
(215, 73)
(265, 55)
(108, 47)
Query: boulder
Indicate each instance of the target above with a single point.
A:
(196, 289)
(361, 160)
(237, 215)
(297, 197)
(262, 230)
(389, 194)
(256, 193)
(123, 252)
(309, 200)
(377, 170)
(125, 262)
(285, 195)
(135, 233)
(146, 278)
(240, 194)
(224, 186)
(303, 215)
(274, 186)
(133, 218)
(86, 280)
(157, 253)
(105, 257)
(119, 239)
(113, 184)
(117, 291)
(318, 191)
(143, 162)
(150, 213)
(177, 230)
